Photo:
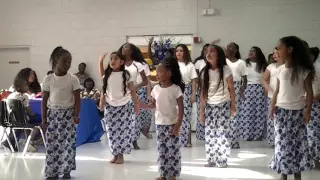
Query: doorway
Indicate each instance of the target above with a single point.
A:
(12, 60)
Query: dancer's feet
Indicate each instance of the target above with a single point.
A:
(317, 164)
(172, 178)
(210, 165)
(297, 176)
(120, 159)
(114, 159)
(283, 177)
(161, 178)
(66, 176)
(53, 178)
(135, 145)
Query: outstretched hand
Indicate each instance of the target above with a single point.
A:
(102, 57)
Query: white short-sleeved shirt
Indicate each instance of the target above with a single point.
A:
(273, 71)
(61, 89)
(238, 69)
(23, 97)
(253, 77)
(115, 91)
(200, 64)
(146, 71)
(291, 95)
(316, 82)
(134, 69)
(217, 95)
(188, 72)
(166, 102)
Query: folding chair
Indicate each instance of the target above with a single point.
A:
(5, 124)
(19, 120)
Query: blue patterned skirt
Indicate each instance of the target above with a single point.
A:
(143, 120)
(186, 122)
(270, 126)
(234, 121)
(217, 127)
(169, 156)
(254, 113)
(118, 120)
(200, 128)
(314, 131)
(61, 142)
(292, 153)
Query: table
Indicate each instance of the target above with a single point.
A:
(89, 129)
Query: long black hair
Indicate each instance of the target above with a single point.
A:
(301, 60)
(136, 54)
(221, 62)
(314, 52)
(186, 53)
(108, 71)
(202, 56)
(58, 53)
(34, 87)
(171, 64)
(260, 59)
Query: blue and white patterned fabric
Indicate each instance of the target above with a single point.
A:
(144, 118)
(292, 153)
(200, 128)
(61, 142)
(234, 121)
(118, 124)
(186, 122)
(254, 112)
(169, 156)
(270, 126)
(314, 131)
(217, 127)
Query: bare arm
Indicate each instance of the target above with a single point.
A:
(194, 88)
(180, 109)
(29, 111)
(144, 80)
(133, 93)
(275, 95)
(265, 80)
(102, 101)
(44, 106)
(203, 101)
(101, 68)
(309, 92)
(151, 56)
(231, 90)
(77, 103)
(149, 87)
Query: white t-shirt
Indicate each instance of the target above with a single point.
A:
(188, 72)
(134, 69)
(253, 77)
(316, 82)
(291, 95)
(200, 64)
(238, 69)
(273, 70)
(166, 102)
(61, 89)
(115, 92)
(218, 95)
(146, 71)
(23, 97)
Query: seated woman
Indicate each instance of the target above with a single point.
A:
(21, 88)
(32, 81)
(89, 91)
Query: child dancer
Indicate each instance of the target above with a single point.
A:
(60, 113)
(314, 125)
(118, 88)
(269, 82)
(217, 101)
(292, 109)
(166, 97)
(239, 74)
(254, 110)
(189, 76)
(200, 63)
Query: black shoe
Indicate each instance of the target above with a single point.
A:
(135, 145)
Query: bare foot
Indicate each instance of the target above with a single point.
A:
(172, 178)
(283, 177)
(297, 176)
(114, 159)
(210, 165)
(66, 176)
(135, 145)
(120, 159)
(189, 145)
(161, 178)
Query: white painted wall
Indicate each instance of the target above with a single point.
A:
(90, 27)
